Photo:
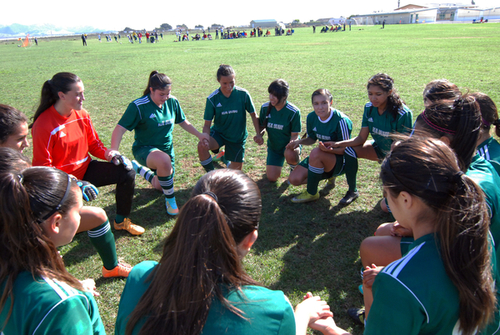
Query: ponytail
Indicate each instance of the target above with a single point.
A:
(428, 169)
(200, 256)
(157, 81)
(60, 82)
(24, 198)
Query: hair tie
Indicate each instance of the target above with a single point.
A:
(20, 177)
(486, 123)
(61, 203)
(436, 127)
(212, 194)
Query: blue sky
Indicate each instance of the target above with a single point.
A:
(152, 13)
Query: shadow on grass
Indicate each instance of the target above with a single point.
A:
(148, 211)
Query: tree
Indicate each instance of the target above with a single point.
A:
(296, 21)
(165, 26)
(199, 26)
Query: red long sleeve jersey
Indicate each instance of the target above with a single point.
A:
(65, 142)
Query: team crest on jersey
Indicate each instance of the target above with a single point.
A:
(62, 134)
(152, 116)
(370, 119)
(314, 129)
(219, 105)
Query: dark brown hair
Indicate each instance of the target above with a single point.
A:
(428, 169)
(10, 119)
(459, 120)
(12, 160)
(200, 256)
(25, 199)
(60, 82)
(489, 112)
(440, 89)
(386, 84)
(157, 81)
(224, 71)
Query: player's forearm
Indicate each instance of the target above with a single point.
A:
(116, 137)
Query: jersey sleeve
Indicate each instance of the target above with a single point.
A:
(249, 106)
(209, 111)
(386, 315)
(263, 115)
(131, 118)
(343, 129)
(42, 148)
(310, 126)
(288, 321)
(179, 113)
(405, 122)
(96, 147)
(71, 316)
(364, 122)
(295, 122)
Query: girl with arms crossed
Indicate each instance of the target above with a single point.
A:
(153, 117)
(327, 125)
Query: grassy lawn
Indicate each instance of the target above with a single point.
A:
(309, 247)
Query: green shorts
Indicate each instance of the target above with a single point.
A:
(338, 170)
(380, 154)
(235, 152)
(142, 152)
(275, 158)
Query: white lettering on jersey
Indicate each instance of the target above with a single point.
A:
(229, 112)
(165, 123)
(323, 137)
(275, 126)
(380, 132)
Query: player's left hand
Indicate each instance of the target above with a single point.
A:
(258, 139)
(89, 285)
(370, 273)
(326, 146)
(89, 191)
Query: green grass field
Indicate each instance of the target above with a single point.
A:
(309, 247)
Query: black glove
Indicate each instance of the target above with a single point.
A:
(121, 159)
(89, 191)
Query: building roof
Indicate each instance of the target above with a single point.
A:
(263, 21)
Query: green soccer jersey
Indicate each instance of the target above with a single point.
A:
(382, 126)
(336, 128)
(153, 125)
(280, 124)
(490, 150)
(47, 306)
(414, 295)
(228, 114)
(266, 312)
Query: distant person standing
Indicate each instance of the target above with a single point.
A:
(383, 24)
(314, 29)
(84, 40)
(216, 34)
(36, 41)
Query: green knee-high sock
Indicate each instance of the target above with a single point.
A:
(207, 164)
(314, 176)
(103, 241)
(351, 170)
(167, 184)
(144, 171)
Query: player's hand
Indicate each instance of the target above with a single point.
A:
(121, 159)
(205, 138)
(398, 230)
(312, 309)
(89, 285)
(370, 273)
(258, 139)
(110, 153)
(292, 145)
(325, 146)
(89, 191)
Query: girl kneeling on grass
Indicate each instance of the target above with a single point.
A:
(153, 117)
(445, 280)
(64, 137)
(329, 126)
(199, 286)
(384, 115)
(281, 120)
(40, 212)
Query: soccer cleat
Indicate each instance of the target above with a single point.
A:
(357, 315)
(219, 157)
(305, 197)
(349, 197)
(171, 206)
(136, 166)
(121, 270)
(129, 226)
